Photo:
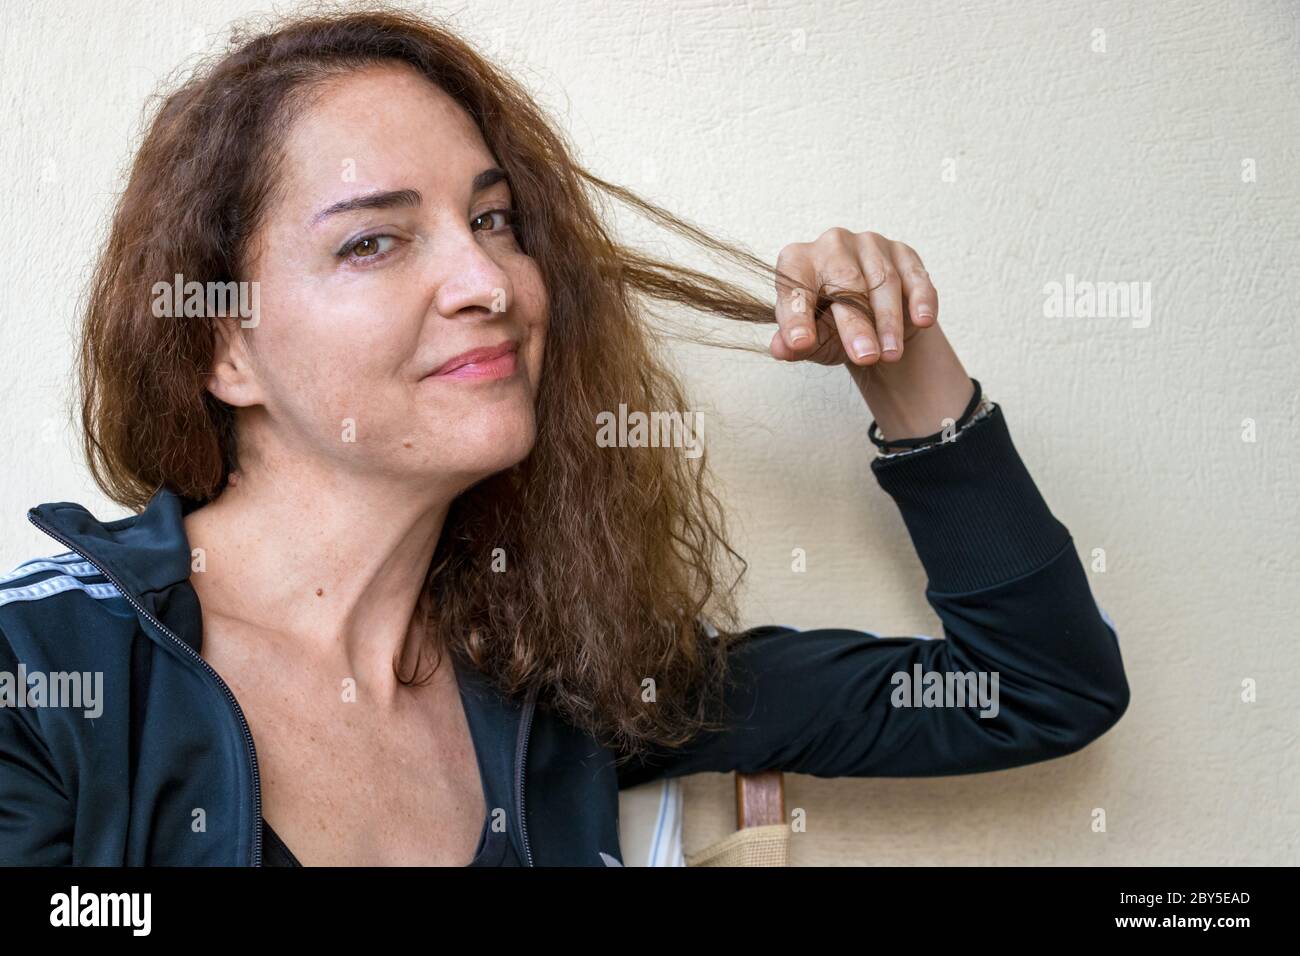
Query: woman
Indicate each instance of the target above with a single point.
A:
(380, 448)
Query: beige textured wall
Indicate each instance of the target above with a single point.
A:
(1013, 145)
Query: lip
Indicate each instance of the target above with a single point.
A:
(493, 361)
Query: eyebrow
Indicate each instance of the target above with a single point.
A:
(404, 198)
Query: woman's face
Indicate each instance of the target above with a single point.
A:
(384, 255)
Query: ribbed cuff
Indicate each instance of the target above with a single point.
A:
(975, 516)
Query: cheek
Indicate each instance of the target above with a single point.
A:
(533, 312)
(325, 358)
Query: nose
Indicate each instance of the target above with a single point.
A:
(468, 280)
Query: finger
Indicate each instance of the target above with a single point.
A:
(856, 334)
(795, 306)
(779, 349)
(838, 269)
(885, 293)
(922, 297)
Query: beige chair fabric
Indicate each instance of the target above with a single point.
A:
(753, 846)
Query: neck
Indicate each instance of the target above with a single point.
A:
(333, 560)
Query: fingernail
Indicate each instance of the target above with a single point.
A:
(888, 343)
(862, 346)
(798, 335)
(925, 313)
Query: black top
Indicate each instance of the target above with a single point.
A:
(274, 850)
(494, 849)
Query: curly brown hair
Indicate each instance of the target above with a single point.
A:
(616, 555)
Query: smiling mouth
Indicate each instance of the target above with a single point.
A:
(485, 364)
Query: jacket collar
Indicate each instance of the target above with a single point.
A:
(146, 552)
(145, 555)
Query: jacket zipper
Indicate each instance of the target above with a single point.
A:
(248, 734)
(522, 750)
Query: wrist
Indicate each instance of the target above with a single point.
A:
(980, 406)
(915, 396)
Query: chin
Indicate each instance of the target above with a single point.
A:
(479, 453)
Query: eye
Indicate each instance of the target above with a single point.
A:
(508, 219)
(367, 247)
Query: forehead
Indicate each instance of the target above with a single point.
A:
(384, 126)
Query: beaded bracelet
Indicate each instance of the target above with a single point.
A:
(986, 405)
(978, 407)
